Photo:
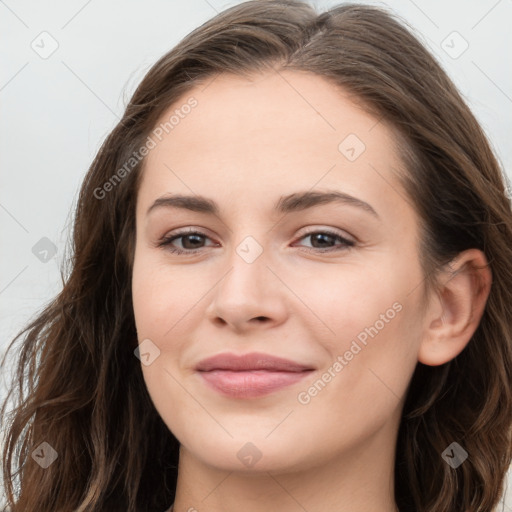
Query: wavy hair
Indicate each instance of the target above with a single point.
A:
(78, 385)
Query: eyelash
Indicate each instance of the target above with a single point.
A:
(166, 242)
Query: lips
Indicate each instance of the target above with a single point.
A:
(252, 361)
(250, 375)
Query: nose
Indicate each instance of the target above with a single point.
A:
(249, 296)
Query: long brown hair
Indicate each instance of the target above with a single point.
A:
(79, 386)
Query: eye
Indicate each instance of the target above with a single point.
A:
(323, 240)
(192, 242)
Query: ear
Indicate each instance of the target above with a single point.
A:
(455, 313)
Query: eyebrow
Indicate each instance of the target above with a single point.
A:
(291, 203)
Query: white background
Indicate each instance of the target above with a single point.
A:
(55, 112)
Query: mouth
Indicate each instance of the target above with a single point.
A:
(250, 384)
(250, 375)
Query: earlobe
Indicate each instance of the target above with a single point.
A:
(457, 309)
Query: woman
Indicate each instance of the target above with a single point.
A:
(289, 289)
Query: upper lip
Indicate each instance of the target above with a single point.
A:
(247, 362)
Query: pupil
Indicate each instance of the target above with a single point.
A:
(187, 239)
(321, 237)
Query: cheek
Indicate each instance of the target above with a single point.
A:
(347, 299)
(368, 323)
(161, 297)
(161, 294)
(368, 368)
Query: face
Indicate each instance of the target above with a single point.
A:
(306, 249)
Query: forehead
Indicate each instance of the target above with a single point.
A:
(276, 130)
(248, 112)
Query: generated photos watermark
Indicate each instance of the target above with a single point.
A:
(304, 397)
(151, 142)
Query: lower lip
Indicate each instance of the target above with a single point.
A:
(250, 384)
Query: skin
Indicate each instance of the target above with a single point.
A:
(245, 144)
